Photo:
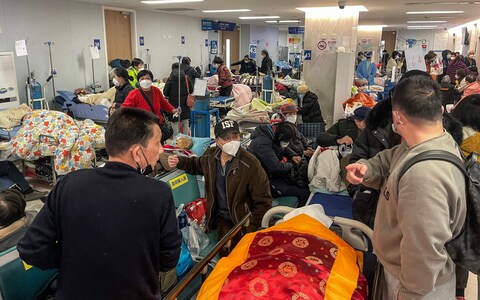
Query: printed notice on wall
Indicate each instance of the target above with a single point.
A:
(21, 48)
(441, 41)
(95, 54)
(415, 59)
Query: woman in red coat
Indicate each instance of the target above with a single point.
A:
(224, 77)
(150, 98)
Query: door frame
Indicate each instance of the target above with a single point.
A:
(133, 32)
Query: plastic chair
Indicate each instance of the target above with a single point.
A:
(20, 281)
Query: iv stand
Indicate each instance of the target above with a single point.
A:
(179, 89)
(53, 71)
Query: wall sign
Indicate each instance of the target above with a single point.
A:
(142, 41)
(213, 47)
(96, 43)
(253, 51)
(322, 45)
(296, 30)
(206, 42)
(307, 54)
(207, 25)
(182, 40)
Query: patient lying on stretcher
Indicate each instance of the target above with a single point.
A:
(297, 259)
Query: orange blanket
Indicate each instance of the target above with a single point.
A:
(298, 259)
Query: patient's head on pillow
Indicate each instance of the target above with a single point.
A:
(184, 142)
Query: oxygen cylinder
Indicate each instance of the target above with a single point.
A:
(267, 87)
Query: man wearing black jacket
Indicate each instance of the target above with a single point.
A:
(247, 66)
(110, 231)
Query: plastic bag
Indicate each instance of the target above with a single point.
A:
(197, 239)
(185, 262)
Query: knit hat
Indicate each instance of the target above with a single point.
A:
(225, 127)
(302, 89)
(361, 113)
(288, 109)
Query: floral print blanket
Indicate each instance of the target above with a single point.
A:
(71, 142)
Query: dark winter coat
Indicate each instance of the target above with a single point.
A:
(338, 130)
(269, 153)
(299, 143)
(247, 186)
(445, 62)
(121, 94)
(454, 66)
(249, 67)
(192, 74)
(171, 91)
(310, 110)
(267, 65)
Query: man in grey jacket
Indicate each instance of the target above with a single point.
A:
(420, 212)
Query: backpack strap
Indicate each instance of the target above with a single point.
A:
(147, 100)
(434, 155)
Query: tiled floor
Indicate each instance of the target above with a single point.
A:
(472, 288)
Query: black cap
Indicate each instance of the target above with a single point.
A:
(225, 127)
(361, 113)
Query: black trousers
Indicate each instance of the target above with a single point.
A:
(8, 169)
(285, 189)
(226, 91)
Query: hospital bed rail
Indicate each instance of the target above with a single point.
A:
(201, 267)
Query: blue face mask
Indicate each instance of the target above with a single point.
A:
(301, 96)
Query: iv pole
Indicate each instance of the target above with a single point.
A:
(179, 89)
(53, 71)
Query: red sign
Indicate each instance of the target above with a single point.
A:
(322, 45)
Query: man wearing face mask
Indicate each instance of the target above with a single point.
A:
(150, 98)
(270, 144)
(299, 144)
(471, 62)
(110, 231)
(235, 182)
(419, 212)
(247, 66)
(367, 70)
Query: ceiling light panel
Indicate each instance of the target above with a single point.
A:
(168, 1)
(435, 12)
(226, 10)
(259, 18)
(425, 22)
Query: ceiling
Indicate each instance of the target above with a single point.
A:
(381, 12)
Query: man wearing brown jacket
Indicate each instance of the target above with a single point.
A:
(420, 212)
(235, 182)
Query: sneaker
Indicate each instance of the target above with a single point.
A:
(35, 195)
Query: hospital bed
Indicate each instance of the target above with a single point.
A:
(67, 102)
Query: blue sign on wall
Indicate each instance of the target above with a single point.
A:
(183, 39)
(296, 30)
(223, 26)
(213, 47)
(96, 43)
(142, 41)
(207, 25)
(253, 51)
(307, 54)
(206, 42)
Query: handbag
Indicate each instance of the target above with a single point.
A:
(190, 98)
(167, 130)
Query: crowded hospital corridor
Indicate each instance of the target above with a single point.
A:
(254, 149)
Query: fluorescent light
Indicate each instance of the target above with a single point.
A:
(421, 27)
(425, 22)
(259, 18)
(225, 10)
(435, 12)
(271, 22)
(289, 21)
(168, 1)
(357, 8)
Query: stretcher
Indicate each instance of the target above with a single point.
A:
(66, 102)
(334, 204)
(222, 102)
(217, 284)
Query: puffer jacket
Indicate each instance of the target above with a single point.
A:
(246, 183)
(338, 130)
(121, 93)
(310, 110)
(171, 92)
(192, 74)
(270, 154)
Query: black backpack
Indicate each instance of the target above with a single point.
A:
(464, 249)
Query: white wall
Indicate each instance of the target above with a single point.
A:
(283, 38)
(268, 39)
(163, 33)
(74, 25)
(71, 25)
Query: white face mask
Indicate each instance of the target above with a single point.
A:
(471, 56)
(115, 82)
(449, 56)
(456, 77)
(284, 145)
(291, 119)
(231, 148)
(364, 58)
(145, 84)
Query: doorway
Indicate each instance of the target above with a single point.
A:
(234, 37)
(118, 45)
(390, 38)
